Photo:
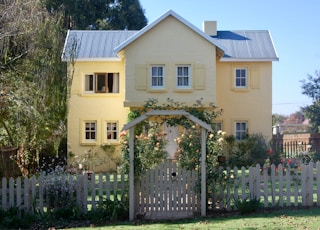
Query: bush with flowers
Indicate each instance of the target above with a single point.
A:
(150, 141)
(149, 149)
(189, 148)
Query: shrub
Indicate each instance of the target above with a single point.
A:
(14, 218)
(109, 210)
(248, 206)
(254, 150)
(59, 189)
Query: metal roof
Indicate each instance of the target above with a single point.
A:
(94, 44)
(251, 45)
(240, 45)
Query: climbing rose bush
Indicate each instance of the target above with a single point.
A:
(149, 149)
(189, 147)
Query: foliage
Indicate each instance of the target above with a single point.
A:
(278, 119)
(109, 210)
(247, 206)
(14, 218)
(150, 142)
(254, 150)
(99, 14)
(91, 159)
(148, 149)
(59, 190)
(189, 147)
(311, 88)
(34, 81)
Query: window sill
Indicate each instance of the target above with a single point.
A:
(99, 94)
(157, 91)
(183, 90)
(88, 143)
(240, 90)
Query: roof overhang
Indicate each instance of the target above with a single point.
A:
(248, 59)
(115, 59)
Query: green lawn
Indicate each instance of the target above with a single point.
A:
(278, 219)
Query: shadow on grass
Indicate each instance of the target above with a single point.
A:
(283, 218)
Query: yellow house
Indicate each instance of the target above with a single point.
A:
(114, 71)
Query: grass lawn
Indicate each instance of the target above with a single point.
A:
(277, 219)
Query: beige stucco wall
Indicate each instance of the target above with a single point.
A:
(170, 43)
(253, 104)
(99, 107)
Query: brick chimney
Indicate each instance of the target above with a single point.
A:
(210, 27)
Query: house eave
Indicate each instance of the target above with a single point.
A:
(248, 59)
(111, 59)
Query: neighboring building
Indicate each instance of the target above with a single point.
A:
(170, 58)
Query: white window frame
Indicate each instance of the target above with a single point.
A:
(240, 130)
(111, 131)
(181, 77)
(155, 77)
(241, 78)
(92, 85)
(90, 128)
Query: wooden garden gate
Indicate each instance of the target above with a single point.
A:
(167, 191)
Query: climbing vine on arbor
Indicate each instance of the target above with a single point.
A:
(150, 142)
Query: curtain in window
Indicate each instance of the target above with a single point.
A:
(115, 87)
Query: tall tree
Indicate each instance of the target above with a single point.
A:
(79, 14)
(311, 88)
(99, 14)
(125, 15)
(33, 82)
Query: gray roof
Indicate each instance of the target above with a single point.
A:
(94, 44)
(246, 45)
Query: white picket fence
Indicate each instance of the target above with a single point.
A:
(277, 187)
(45, 192)
(274, 186)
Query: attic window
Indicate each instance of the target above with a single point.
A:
(101, 83)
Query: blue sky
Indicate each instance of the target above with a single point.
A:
(294, 26)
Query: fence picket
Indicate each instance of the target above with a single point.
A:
(318, 182)
(288, 187)
(280, 170)
(277, 186)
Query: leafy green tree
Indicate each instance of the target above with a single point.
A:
(311, 88)
(125, 15)
(79, 14)
(99, 14)
(278, 119)
(34, 80)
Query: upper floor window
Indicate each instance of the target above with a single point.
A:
(102, 83)
(157, 76)
(90, 130)
(112, 131)
(241, 130)
(183, 76)
(241, 78)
